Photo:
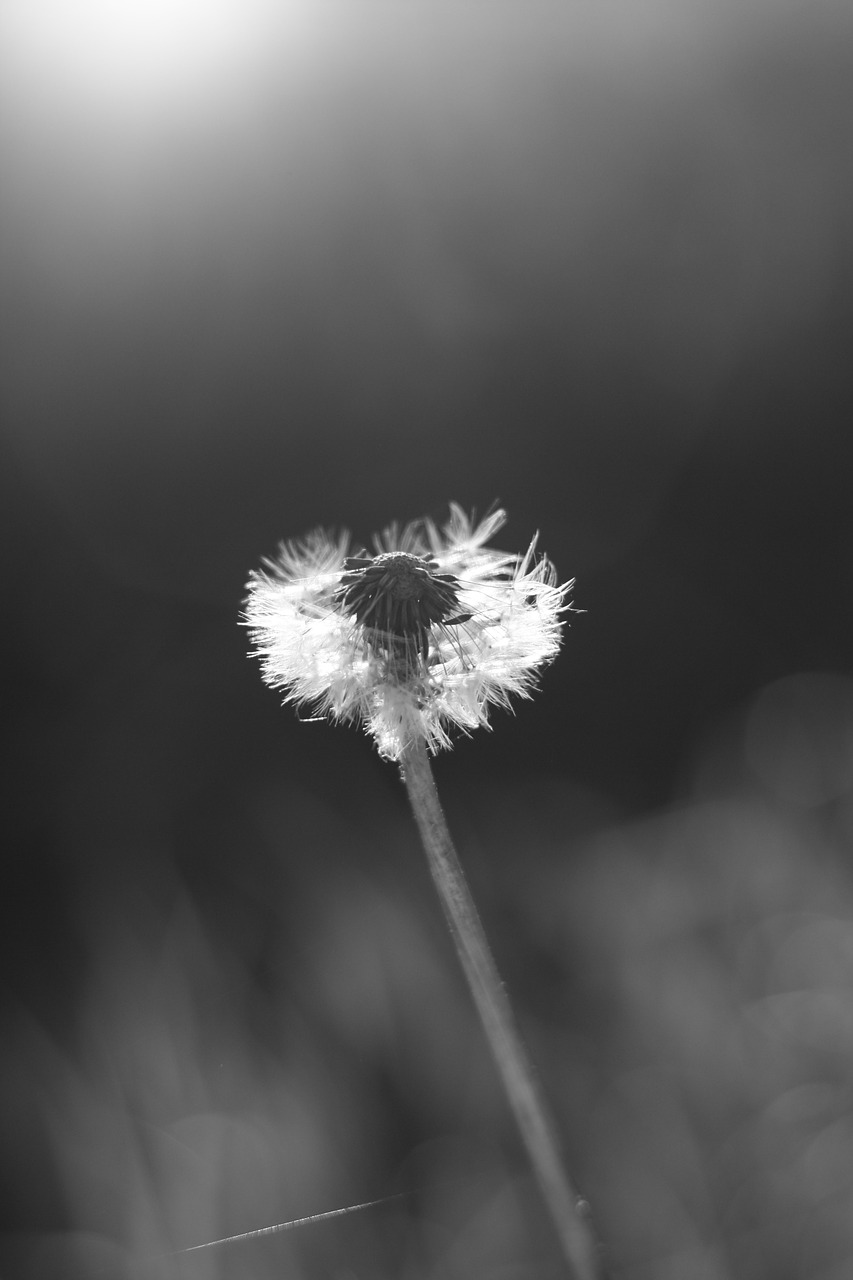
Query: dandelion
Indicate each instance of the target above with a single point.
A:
(414, 640)
(418, 638)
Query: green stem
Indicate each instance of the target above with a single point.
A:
(536, 1127)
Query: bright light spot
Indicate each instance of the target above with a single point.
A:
(109, 52)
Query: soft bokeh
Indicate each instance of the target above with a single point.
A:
(266, 266)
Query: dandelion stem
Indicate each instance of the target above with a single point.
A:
(537, 1129)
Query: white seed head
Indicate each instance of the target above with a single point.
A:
(418, 637)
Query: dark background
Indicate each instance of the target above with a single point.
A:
(594, 266)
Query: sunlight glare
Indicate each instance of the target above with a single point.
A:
(137, 51)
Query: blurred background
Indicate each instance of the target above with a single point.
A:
(280, 263)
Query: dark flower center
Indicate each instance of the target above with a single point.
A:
(399, 595)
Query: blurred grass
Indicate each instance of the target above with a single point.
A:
(248, 1047)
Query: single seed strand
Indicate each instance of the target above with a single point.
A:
(279, 1227)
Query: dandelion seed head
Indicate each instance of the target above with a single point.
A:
(398, 594)
(416, 639)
